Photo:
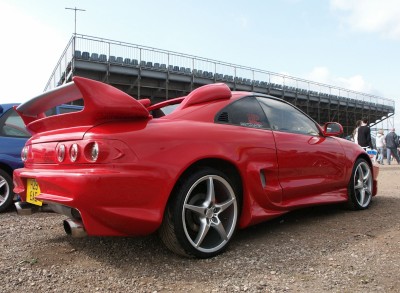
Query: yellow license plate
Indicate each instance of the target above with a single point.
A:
(32, 190)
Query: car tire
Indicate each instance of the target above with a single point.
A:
(6, 191)
(202, 215)
(360, 186)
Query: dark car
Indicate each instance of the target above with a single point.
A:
(13, 136)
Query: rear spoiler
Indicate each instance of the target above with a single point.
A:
(102, 103)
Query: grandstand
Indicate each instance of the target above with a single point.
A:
(145, 72)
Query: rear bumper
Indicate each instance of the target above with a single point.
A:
(110, 202)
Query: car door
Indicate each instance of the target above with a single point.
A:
(310, 165)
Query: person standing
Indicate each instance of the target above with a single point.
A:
(364, 135)
(380, 145)
(355, 131)
(392, 143)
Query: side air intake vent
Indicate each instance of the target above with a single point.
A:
(223, 117)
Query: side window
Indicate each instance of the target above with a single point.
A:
(284, 117)
(245, 112)
(12, 125)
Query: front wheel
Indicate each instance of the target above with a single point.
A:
(6, 193)
(202, 215)
(360, 186)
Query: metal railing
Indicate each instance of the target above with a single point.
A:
(190, 63)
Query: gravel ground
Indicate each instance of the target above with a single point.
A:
(320, 249)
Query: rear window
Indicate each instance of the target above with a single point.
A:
(157, 113)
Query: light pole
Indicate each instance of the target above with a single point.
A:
(75, 10)
(73, 44)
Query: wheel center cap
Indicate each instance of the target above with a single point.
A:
(209, 213)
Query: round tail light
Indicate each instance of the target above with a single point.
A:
(74, 152)
(24, 154)
(92, 151)
(61, 153)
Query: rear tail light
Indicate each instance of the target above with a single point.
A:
(24, 154)
(74, 152)
(61, 153)
(77, 152)
(92, 151)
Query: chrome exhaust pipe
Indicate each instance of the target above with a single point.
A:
(74, 228)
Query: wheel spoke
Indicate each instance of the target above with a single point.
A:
(221, 230)
(210, 197)
(366, 176)
(360, 172)
(204, 228)
(362, 196)
(196, 209)
(2, 183)
(223, 206)
(367, 195)
(359, 178)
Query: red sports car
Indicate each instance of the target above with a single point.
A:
(194, 168)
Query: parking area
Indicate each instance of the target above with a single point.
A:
(318, 249)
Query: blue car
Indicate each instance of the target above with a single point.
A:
(13, 136)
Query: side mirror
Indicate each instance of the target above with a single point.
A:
(332, 129)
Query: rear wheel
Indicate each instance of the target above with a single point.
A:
(6, 193)
(202, 215)
(360, 186)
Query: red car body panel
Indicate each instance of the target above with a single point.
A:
(142, 158)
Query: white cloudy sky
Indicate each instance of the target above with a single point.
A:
(348, 43)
